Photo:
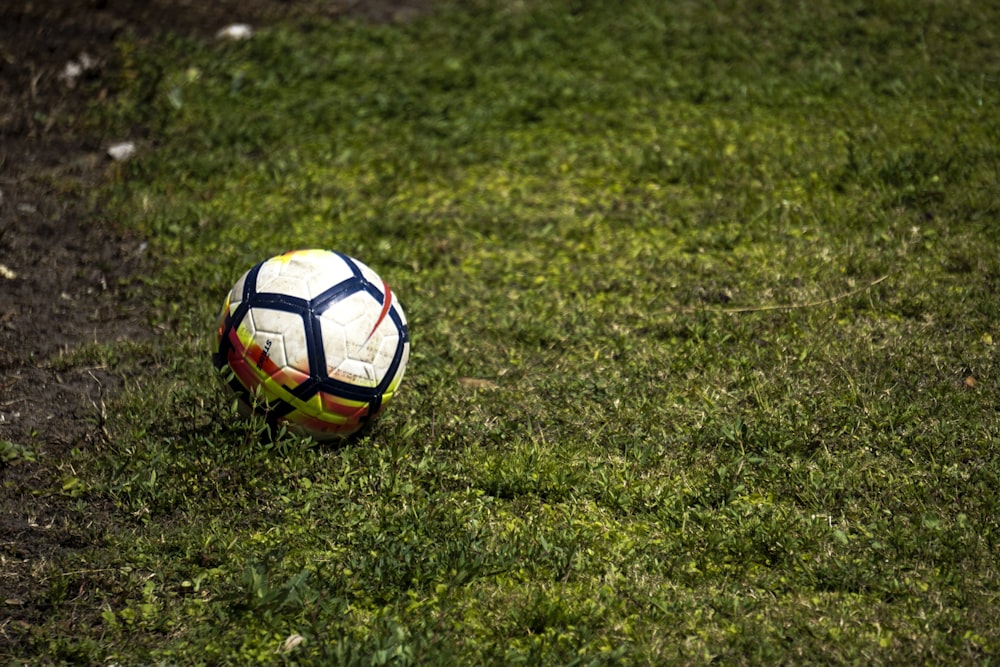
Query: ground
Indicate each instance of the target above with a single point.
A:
(65, 268)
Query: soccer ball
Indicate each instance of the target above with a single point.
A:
(313, 340)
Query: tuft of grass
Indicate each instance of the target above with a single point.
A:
(703, 310)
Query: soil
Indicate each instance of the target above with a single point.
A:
(65, 268)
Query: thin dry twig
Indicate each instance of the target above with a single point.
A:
(791, 306)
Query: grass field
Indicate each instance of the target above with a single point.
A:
(705, 322)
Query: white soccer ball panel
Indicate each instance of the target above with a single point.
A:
(386, 351)
(236, 294)
(303, 274)
(369, 274)
(374, 279)
(364, 351)
(356, 317)
(282, 335)
(349, 336)
(351, 310)
(334, 346)
(356, 372)
(273, 277)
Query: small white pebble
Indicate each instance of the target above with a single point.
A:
(74, 69)
(235, 32)
(71, 72)
(121, 151)
(87, 62)
(7, 273)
